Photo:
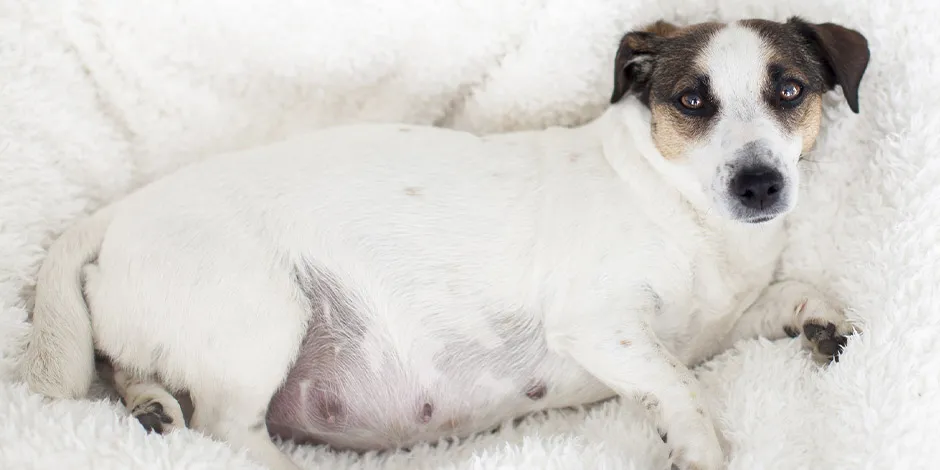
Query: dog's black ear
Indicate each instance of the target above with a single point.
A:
(633, 65)
(843, 52)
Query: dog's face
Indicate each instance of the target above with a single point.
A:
(733, 107)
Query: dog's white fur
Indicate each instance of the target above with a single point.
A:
(608, 268)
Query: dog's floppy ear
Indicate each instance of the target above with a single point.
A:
(843, 52)
(633, 65)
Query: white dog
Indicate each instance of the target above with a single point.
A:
(375, 286)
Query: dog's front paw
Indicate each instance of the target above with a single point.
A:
(155, 417)
(824, 329)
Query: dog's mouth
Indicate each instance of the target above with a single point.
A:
(753, 216)
(760, 219)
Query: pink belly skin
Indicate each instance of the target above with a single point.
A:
(334, 395)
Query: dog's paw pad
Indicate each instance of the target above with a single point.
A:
(153, 417)
(825, 341)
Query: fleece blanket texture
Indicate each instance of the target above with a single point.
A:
(100, 96)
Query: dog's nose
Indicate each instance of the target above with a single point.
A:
(757, 188)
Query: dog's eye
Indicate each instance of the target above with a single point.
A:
(790, 91)
(691, 101)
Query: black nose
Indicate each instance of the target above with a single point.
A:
(757, 188)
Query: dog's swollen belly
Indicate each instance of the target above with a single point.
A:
(366, 398)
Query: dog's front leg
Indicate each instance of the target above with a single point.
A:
(794, 308)
(630, 359)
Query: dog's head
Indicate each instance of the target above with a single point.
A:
(733, 107)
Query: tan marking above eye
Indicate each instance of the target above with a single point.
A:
(790, 91)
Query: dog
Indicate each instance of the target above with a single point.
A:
(378, 285)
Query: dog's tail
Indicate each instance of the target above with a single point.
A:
(59, 359)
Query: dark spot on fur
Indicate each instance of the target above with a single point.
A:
(664, 436)
(791, 331)
(536, 391)
(650, 403)
(426, 412)
(657, 302)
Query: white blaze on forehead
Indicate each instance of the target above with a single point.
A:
(735, 61)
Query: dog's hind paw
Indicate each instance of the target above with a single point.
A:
(825, 330)
(155, 417)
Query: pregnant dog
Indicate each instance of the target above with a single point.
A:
(375, 286)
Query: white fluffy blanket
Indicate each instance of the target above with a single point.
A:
(99, 96)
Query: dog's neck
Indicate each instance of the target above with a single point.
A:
(630, 150)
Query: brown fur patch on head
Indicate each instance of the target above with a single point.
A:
(672, 132)
(662, 61)
(668, 30)
(662, 28)
(810, 121)
(677, 70)
(641, 50)
(790, 53)
(676, 64)
(792, 58)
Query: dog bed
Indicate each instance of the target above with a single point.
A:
(100, 96)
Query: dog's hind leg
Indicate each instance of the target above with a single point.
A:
(239, 419)
(239, 422)
(149, 401)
